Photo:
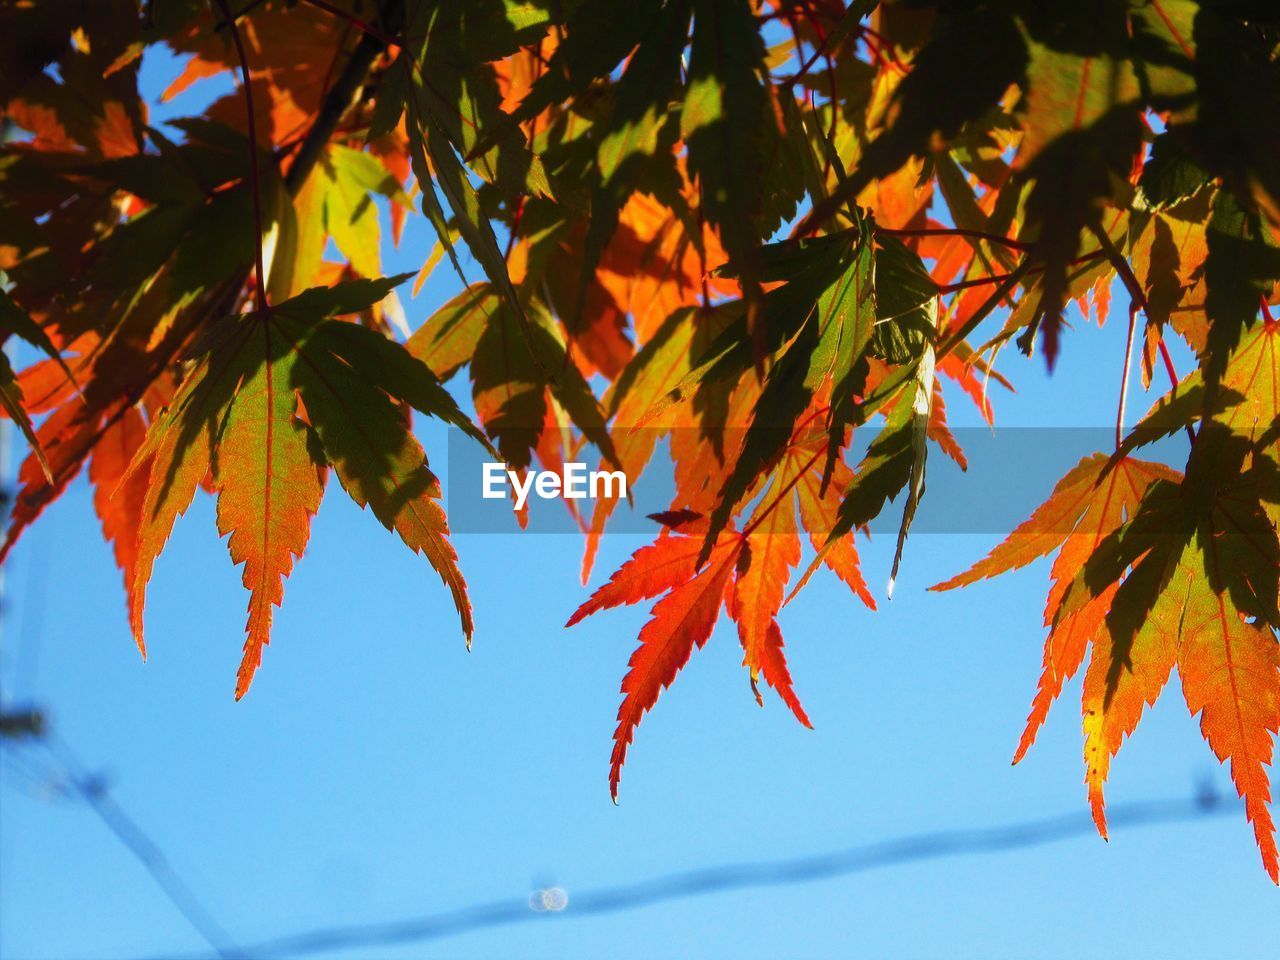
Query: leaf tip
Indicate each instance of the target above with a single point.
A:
(1028, 738)
(44, 464)
(1100, 818)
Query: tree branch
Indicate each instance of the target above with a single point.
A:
(996, 238)
(341, 97)
(343, 94)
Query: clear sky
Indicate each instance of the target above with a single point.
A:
(378, 772)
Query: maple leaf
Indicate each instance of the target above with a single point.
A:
(1232, 82)
(834, 283)
(1083, 116)
(1087, 505)
(435, 63)
(1241, 268)
(681, 620)
(1209, 601)
(819, 508)
(239, 415)
(892, 462)
(985, 45)
(663, 362)
(446, 342)
(1197, 581)
(748, 571)
(524, 413)
(268, 484)
(1245, 399)
(726, 123)
(512, 395)
(1169, 176)
(289, 51)
(14, 320)
(66, 438)
(1188, 580)
(347, 179)
(638, 126)
(629, 179)
(118, 496)
(598, 36)
(770, 553)
(13, 405)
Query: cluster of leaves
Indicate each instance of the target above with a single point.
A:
(761, 225)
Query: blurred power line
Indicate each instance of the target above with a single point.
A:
(559, 903)
(66, 777)
(95, 792)
(20, 725)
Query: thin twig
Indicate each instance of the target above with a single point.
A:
(883, 48)
(988, 305)
(1001, 277)
(1009, 242)
(387, 39)
(973, 282)
(808, 64)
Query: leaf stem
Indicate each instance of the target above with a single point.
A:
(386, 38)
(1001, 277)
(882, 49)
(254, 185)
(1139, 297)
(1124, 374)
(1007, 284)
(782, 495)
(800, 426)
(973, 282)
(820, 50)
(817, 52)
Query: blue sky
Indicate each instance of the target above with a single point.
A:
(377, 771)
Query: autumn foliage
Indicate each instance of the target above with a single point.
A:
(757, 231)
